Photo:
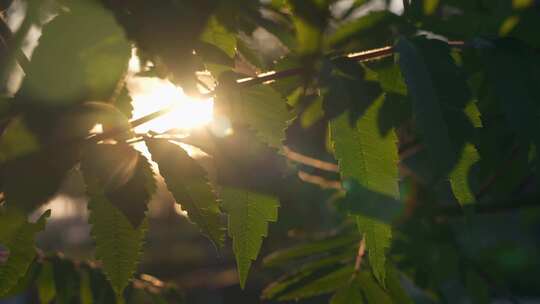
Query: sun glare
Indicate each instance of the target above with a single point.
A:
(153, 94)
(150, 94)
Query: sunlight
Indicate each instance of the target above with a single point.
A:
(150, 94)
(153, 94)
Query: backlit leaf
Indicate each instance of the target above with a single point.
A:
(459, 177)
(249, 214)
(260, 107)
(216, 34)
(118, 243)
(188, 183)
(88, 51)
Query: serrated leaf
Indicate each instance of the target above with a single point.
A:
(18, 236)
(248, 215)
(216, 34)
(459, 177)
(89, 53)
(378, 239)
(118, 245)
(371, 160)
(260, 107)
(426, 107)
(188, 183)
(124, 175)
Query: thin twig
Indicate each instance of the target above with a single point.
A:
(360, 254)
(310, 161)
(266, 77)
(8, 37)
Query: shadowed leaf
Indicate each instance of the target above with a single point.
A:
(371, 160)
(18, 236)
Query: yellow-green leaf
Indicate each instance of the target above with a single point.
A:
(249, 214)
(260, 107)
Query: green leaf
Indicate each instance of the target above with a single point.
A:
(216, 34)
(313, 113)
(459, 177)
(318, 283)
(393, 284)
(378, 239)
(371, 160)
(125, 176)
(248, 215)
(317, 265)
(18, 236)
(351, 294)
(188, 183)
(260, 107)
(283, 256)
(373, 292)
(118, 245)
(88, 51)
(426, 107)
